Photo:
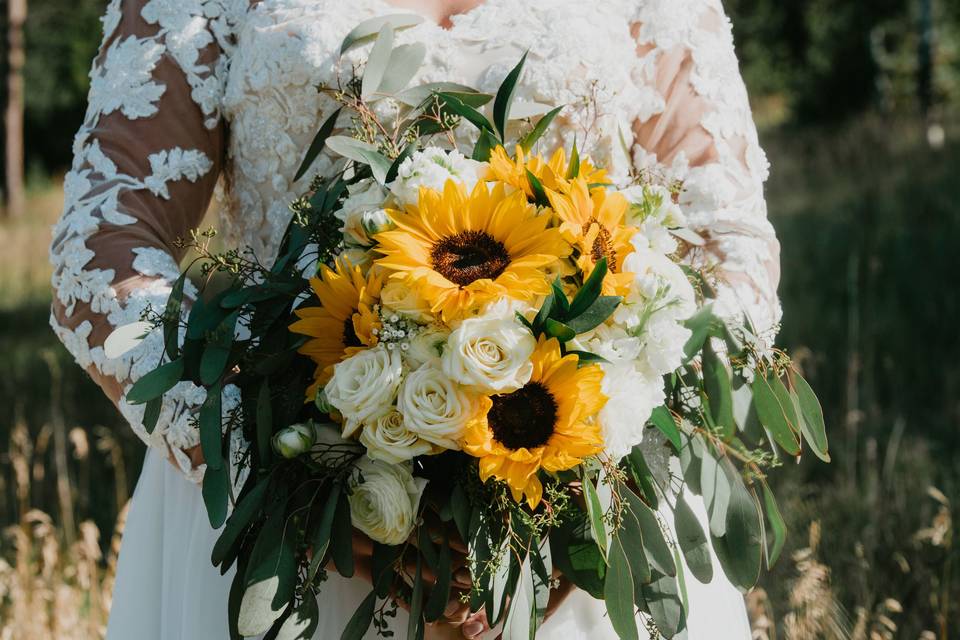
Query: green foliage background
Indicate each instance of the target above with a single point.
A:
(868, 216)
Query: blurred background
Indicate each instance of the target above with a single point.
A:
(858, 104)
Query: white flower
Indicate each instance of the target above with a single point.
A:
(659, 284)
(663, 340)
(654, 213)
(399, 297)
(432, 167)
(434, 407)
(490, 353)
(364, 386)
(361, 208)
(384, 503)
(389, 440)
(631, 398)
(291, 441)
(427, 346)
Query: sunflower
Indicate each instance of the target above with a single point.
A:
(546, 424)
(459, 251)
(593, 221)
(552, 174)
(345, 321)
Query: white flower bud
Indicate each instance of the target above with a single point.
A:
(294, 440)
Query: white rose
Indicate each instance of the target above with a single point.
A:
(490, 354)
(631, 398)
(389, 440)
(435, 407)
(432, 168)
(427, 346)
(364, 386)
(403, 299)
(385, 501)
(365, 198)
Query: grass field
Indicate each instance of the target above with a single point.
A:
(869, 219)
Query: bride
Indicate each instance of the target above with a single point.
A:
(187, 95)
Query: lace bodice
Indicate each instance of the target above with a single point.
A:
(186, 93)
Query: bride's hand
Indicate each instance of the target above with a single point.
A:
(477, 623)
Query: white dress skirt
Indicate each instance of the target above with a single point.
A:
(167, 534)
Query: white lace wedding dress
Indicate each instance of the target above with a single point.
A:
(189, 94)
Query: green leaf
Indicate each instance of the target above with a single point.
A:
(460, 108)
(368, 29)
(460, 505)
(546, 309)
(316, 146)
(663, 420)
(595, 513)
(384, 561)
(559, 300)
(691, 454)
(661, 598)
(590, 290)
(395, 165)
(156, 383)
(211, 428)
(171, 318)
(540, 197)
(573, 169)
(248, 507)
(812, 424)
(415, 617)
(521, 617)
(322, 531)
(377, 62)
(303, 621)
(699, 325)
(270, 577)
(151, 413)
(217, 352)
(642, 476)
(264, 423)
(595, 315)
(631, 538)
(486, 143)
(361, 152)
(341, 537)
(558, 330)
(418, 95)
(656, 547)
(776, 524)
(404, 63)
(618, 592)
(586, 358)
(361, 619)
(504, 99)
(776, 411)
(715, 485)
(692, 541)
(740, 549)
(541, 127)
(577, 556)
(440, 592)
(206, 315)
(216, 488)
(716, 382)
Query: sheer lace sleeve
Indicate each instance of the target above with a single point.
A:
(146, 160)
(705, 136)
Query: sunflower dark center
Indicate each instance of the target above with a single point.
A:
(602, 245)
(524, 418)
(469, 256)
(350, 337)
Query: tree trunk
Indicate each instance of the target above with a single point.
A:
(13, 118)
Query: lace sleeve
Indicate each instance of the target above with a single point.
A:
(146, 160)
(705, 136)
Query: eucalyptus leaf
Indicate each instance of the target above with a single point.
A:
(691, 454)
(246, 509)
(631, 538)
(517, 624)
(361, 152)
(716, 382)
(361, 619)
(715, 485)
(595, 513)
(618, 592)
(416, 96)
(415, 617)
(341, 537)
(211, 428)
(661, 598)
(368, 29)
(264, 423)
(657, 550)
(740, 549)
(404, 63)
(171, 318)
(156, 383)
(776, 411)
(216, 489)
(699, 325)
(377, 62)
(812, 425)
(663, 420)
(692, 541)
(151, 413)
(303, 621)
(776, 524)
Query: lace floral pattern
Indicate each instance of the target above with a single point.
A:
(165, 63)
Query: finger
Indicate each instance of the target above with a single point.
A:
(475, 625)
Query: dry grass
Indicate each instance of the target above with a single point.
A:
(24, 268)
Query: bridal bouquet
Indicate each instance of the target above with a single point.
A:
(459, 351)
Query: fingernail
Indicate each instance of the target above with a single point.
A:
(472, 628)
